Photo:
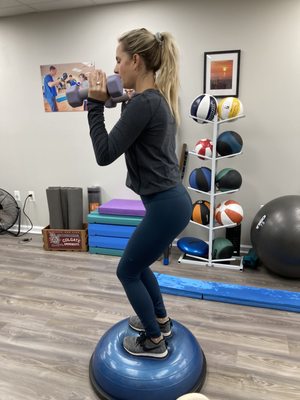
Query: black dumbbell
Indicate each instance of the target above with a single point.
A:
(76, 94)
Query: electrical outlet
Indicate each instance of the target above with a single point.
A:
(31, 194)
(17, 195)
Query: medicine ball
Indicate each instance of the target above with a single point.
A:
(200, 213)
(229, 212)
(222, 248)
(205, 107)
(228, 179)
(200, 179)
(229, 142)
(230, 107)
(204, 148)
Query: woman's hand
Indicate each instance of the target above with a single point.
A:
(97, 85)
(129, 92)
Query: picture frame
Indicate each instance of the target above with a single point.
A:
(222, 73)
(56, 79)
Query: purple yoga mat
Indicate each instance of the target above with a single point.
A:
(123, 207)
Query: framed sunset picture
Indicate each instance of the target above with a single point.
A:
(221, 73)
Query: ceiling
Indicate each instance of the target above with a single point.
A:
(19, 7)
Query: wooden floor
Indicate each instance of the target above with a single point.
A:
(55, 306)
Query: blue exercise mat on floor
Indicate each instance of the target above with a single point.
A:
(230, 293)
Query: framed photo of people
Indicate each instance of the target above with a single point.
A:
(56, 79)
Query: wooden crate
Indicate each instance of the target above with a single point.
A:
(65, 239)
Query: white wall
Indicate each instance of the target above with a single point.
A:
(40, 149)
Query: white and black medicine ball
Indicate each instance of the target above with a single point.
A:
(204, 107)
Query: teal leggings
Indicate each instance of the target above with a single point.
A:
(167, 214)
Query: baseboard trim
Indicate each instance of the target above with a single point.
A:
(37, 230)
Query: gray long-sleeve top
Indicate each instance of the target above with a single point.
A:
(146, 134)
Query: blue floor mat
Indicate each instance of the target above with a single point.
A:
(230, 293)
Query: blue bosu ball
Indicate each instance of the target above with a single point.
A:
(118, 375)
(193, 246)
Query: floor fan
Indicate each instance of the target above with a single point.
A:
(9, 212)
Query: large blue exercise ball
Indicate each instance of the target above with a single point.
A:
(275, 235)
(118, 375)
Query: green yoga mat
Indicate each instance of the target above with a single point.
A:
(106, 252)
(95, 218)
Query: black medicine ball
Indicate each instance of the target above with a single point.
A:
(200, 179)
(222, 248)
(228, 179)
(229, 142)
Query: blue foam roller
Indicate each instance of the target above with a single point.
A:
(193, 246)
(118, 375)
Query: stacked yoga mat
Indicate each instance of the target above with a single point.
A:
(111, 226)
(65, 207)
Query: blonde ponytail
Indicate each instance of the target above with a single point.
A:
(167, 77)
(160, 55)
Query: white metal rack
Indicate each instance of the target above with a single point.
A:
(212, 227)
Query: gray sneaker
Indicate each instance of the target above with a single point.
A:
(136, 324)
(145, 347)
